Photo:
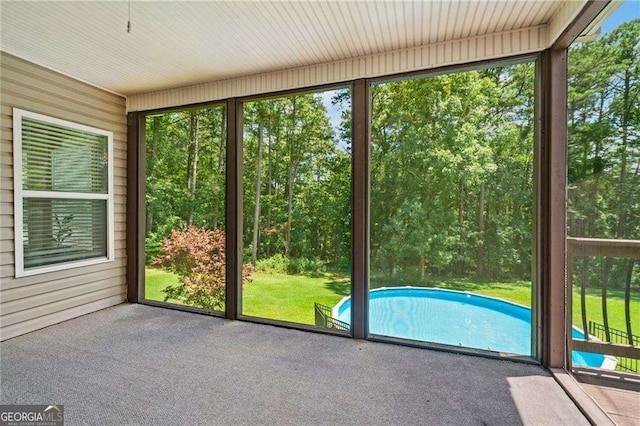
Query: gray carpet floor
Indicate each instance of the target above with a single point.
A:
(135, 364)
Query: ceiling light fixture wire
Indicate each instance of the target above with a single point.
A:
(129, 19)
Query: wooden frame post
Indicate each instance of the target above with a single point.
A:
(360, 204)
(135, 207)
(233, 303)
(553, 206)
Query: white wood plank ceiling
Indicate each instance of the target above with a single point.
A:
(174, 44)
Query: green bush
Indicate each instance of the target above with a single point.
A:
(152, 246)
(279, 264)
(342, 265)
(305, 266)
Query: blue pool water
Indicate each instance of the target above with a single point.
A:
(454, 318)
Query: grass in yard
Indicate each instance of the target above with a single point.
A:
(291, 297)
(156, 280)
(274, 296)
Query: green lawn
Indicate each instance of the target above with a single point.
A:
(156, 281)
(291, 297)
(274, 296)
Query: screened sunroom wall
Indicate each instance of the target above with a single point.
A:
(37, 301)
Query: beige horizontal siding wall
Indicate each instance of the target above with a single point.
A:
(492, 46)
(37, 301)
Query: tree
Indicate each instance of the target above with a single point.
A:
(452, 174)
(192, 163)
(198, 257)
(256, 215)
(185, 170)
(292, 188)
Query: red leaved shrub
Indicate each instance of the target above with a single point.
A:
(198, 257)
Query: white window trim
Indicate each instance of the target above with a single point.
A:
(19, 194)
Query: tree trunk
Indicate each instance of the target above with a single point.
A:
(460, 262)
(256, 214)
(622, 213)
(276, 177)
(151, 170)
(480, 255)
(269, 182)
(219, 192)
(593, 193)
(193, 170)
(290, 180)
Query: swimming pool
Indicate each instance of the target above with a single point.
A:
(456, 318)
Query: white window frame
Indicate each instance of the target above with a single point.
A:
(19, 194)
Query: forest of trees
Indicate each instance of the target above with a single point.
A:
(604, 132)
(297, 181)
(452, 175)
(452, 168)
(185, 182)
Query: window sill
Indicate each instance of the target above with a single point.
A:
(60, 267)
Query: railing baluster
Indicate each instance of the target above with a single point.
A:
(571, 268)
(583, 295)
(324, 318)
(627, 300)
(618, 337)
(605, 284)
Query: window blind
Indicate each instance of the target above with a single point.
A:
(64, 202)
